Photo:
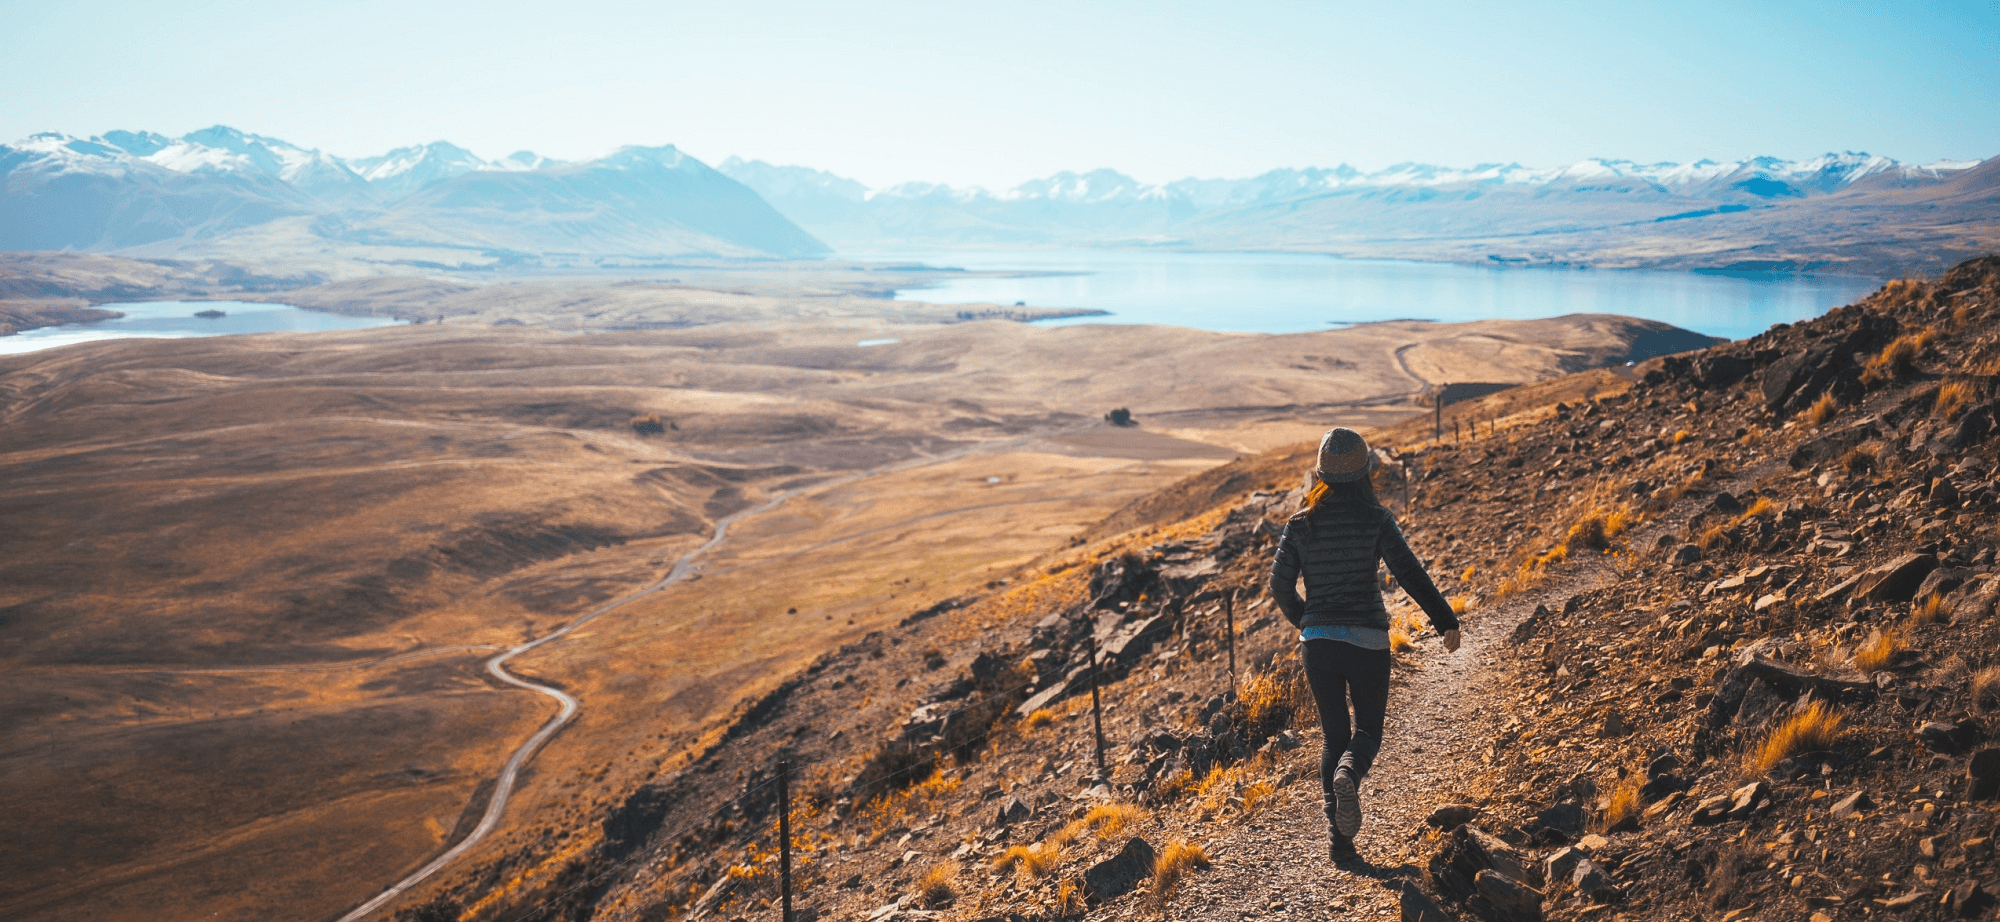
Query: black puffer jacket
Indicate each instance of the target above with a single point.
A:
(1337, 548)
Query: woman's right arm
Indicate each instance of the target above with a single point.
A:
(1285, 578)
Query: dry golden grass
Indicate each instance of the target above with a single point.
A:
(1466, 577)
(1281, 686)
(1175, 862)
(1879, 651)
(1823, 410)
(1109, 821)
(1255, 794)
(1931, 610)
(1682, 436)
(1895, 358)
(1953, 398)
(1624, 803)
(1399, 641)
(938, 886)
(1460, 604)
(1763, 508)
(1986, 689)
(1858, 460)
(1040, 718)
(1813, 729)
(1034, 862)
(1069, 900)
(1596, 530)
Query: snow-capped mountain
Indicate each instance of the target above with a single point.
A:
(128, 189)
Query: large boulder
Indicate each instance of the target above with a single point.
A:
(1897, 580)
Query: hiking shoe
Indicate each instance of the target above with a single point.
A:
(1342, 848)
(1346, 805)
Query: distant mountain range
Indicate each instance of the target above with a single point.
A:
(139, 191)
(222, 191)
(1300, 207)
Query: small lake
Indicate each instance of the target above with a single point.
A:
(1291, 293)
(177, 320)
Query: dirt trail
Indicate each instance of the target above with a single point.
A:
(1442, 715)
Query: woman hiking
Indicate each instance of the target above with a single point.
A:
(1335, 543)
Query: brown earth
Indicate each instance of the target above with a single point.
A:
(248, 581)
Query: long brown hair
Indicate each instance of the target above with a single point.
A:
(1358, 494)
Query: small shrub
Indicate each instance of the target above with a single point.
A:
(1175, 862)
(1879, 651)
(1822, 411)
(1623, 805)
(937, 887)
(1812, 729)
(1596, 530)
(1986, 689)
(1858, 460)
(648, 424)
(1952, 399)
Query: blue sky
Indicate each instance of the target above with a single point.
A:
(993, 93)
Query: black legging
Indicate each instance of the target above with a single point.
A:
(1339, 671)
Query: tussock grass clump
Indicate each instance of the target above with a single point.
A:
(1682, 436)
(1175, 862)
(1256, 794)
(1109, 821)
(1896, 359)
(1466, 577)
(1879, 651)
(1715, 536)
(1811, 729)
(1929, 611)
(1034, 862)
(1042, 717)
(1986, 690)
(1399, 641)
(1623, 804)
(1858, 460)
(1596, 530)
(1278, 697)
(1953, 398)
(1823, 410)
(1459, 604)
(938, 885)
(1069, 900)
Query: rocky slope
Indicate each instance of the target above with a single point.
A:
(1731, 632)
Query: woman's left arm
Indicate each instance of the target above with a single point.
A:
(1415, 580)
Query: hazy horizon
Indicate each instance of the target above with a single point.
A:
(893, 92)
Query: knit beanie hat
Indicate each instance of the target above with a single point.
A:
(1343, 456)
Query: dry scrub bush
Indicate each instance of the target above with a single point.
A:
(1953, 398)
(1109, 821)
(1813, 729)
(936, 887)
(1986, 690)
(1623, 804)
(1879, 651)
(1858, 460)
(1823, 410)
(1176, 861)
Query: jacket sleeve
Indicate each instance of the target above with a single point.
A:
(1285, 577)
(1410, 574)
